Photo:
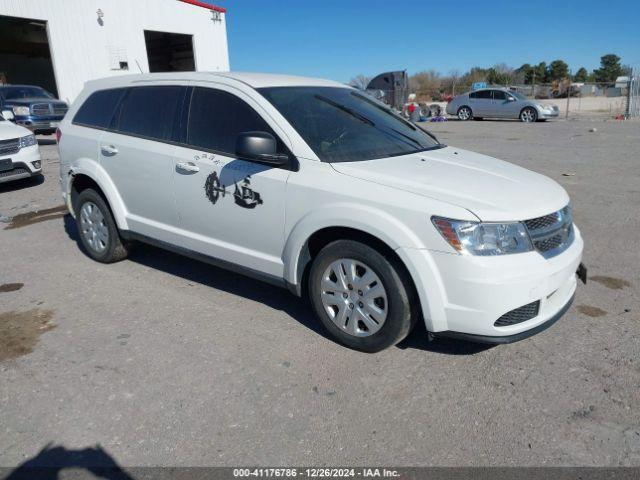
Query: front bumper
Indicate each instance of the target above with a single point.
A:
(464, 296)
(24, 165)
(548, 113)
(39, 124)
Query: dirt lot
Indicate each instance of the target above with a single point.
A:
(165, 361)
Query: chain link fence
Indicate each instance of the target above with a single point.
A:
(633, 104)
(614, 100)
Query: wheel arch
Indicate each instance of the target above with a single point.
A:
(87, 174)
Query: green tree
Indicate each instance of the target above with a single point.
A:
(558, 70)
(525, 72)
(581, 75)
(609, 70)
(540, 73)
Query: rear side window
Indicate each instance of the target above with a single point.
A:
(97, 111)
(150, 112)
(484, 94)
(216, 119)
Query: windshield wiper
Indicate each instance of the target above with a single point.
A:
(345, 109)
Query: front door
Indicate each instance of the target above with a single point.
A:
(229, 208)
(138, 157)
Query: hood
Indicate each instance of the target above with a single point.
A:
(492, 189)
(30, 100)
(9, 130)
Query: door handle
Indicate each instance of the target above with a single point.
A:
(189, 167)
(108, 150)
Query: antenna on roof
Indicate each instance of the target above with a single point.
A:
(139, 68)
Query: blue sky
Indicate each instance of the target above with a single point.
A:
(340, 39)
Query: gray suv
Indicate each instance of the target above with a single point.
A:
(499, 103)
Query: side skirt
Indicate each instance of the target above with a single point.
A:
(216, 262)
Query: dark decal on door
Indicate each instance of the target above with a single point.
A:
(244, 196)
(213, 188)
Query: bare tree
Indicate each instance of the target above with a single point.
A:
(425, 84)
(360, 81)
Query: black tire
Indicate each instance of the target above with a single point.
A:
(399, 295)
(532, 113)
(115, 249)
(462, 116)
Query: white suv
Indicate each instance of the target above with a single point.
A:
(315, 186)
(19, 153)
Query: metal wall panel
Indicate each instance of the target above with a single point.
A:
(83, 45)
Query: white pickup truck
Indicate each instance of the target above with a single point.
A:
(314, 186)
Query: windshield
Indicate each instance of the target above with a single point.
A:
(518, 95)
(343, 125)
(15, 93)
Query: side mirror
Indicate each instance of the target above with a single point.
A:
(511, 99)
(261, 147)
(8, 115)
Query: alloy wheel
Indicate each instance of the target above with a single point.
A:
(528, 115)
(464, 113)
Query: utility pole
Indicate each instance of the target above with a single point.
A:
(568, 96)
(533, 87)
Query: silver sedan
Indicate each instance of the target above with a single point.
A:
(499, 103)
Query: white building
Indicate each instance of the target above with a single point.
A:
(60, 44)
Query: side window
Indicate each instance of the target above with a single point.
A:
(499, 95)
(150, 112)
(484, 94)
(216, 118)
(97, 110)
(473, 95)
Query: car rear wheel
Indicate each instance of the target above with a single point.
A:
(361, 298)
(465, 113)
(97, 229)
(528, 115)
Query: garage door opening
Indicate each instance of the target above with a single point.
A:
(25, 57)
(169, 52)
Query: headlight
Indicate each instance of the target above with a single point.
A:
(22, 111)
(28, 141)
(545, 107)
(484, 239)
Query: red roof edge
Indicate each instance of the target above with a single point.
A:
(208, 6)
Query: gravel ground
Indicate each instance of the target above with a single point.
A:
(162, 360)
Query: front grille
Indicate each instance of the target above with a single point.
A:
(519, 315)
(41, 109)
(9, 147)
(15, 171)
(553, 233)
(542, 222)
(60, 109)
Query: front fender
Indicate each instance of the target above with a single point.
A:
(373, 221)
(93, 170)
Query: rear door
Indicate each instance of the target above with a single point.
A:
(230, 208)
(137, 153)
(481, 103)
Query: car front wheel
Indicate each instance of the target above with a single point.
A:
(362, 299)
(528, 115)
(465, 113)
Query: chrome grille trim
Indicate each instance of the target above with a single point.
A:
(9, 147)
(41, 109)
(552, 234)
(60, 109)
